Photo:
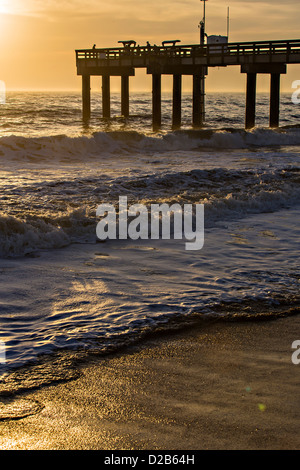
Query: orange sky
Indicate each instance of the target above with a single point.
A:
(38, 37)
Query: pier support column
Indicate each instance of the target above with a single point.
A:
(156, 101)
(275, 100)
(250, 100)
(177, 88)
(86, 97)
(125, 96)
(106, 96)
(198, 100)
(273, 69)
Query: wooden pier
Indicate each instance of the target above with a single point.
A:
(267, 57)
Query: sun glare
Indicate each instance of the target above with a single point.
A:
(6, 6)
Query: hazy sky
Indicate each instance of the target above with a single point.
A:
(38, 37)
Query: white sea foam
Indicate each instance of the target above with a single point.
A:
(21, 237)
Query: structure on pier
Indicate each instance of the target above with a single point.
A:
(268, 57)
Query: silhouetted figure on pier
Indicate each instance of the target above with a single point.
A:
(202, 33)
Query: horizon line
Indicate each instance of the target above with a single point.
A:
(76, 90)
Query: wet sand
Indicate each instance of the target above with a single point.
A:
(220, 386)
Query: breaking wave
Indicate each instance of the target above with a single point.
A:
(22, 237)
(64, 148)
(226, 195)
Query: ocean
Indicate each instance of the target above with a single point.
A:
(65, 295)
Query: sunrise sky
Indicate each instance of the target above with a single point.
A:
(38, 37)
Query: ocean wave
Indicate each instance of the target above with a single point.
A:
(222, 191)
(18, 237)
(226, 194)
(100, 144)
(22, 237)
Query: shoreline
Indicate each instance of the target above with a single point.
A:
(220, 386)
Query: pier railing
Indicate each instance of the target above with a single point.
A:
(207, 52)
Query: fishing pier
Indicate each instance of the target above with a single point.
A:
(266, 57)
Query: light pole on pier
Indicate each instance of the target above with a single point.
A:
(199, 81)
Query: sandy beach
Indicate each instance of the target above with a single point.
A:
(219, 386)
